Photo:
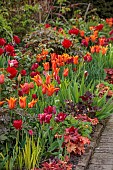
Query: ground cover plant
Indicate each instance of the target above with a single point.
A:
(55, 86)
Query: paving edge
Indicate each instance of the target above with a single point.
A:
(85, 158)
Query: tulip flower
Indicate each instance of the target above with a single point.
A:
(48, 79)
(22, 101)
(32, 103)
(16, 39)
(2, 78)
(87, 57)
(46, 66)
(44, 88)
(34, 96)
(2, 41)
(30, 132)
(38, 80)
(25, 88)
(17, 124)
(23, 72)
(81, 32)
(11, 102)
(50, 110)
(60, 117)
(74, 31)
(51, 89)
(44, 118)
(13, 63)
(1, 51)
(1, 103)
(66, 43)
(12, 71)
(75, 60)
(65, 72)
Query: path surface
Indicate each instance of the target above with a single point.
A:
(102, 158)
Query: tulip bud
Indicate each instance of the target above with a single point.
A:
(19, 77)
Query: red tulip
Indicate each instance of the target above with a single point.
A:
(34, 96)
(44, 118)
(60, 117)
(1, 51)
(23, 72)
(13, 63)
(87, 57)
(16, 39)
(17, 124)
(9, 48)
(99, 27)
(30, 132)
(12, 71)
(47, 25)
(66, 43)
(2, 41)
(34, 66)
(74, 31)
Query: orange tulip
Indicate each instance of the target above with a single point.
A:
(97, 49)
(75, 59)
(11, 102)
(81, 33)
(37, 79)
(54, 66)
(44, 52)
(65, 72)
(56, 71)
(38, 57)
(51, 89)
(65, 57)
(60, 64)
(92, 49)
(95, 33)
(91, 28)
(102, 41)
(44, 88)
(48, 79)
(2, 78)
(46, 66)
(87, 39)
(1, 103)
(22, 101)
(93, 38)
(53, 56)
(104, 50)
(32, 103)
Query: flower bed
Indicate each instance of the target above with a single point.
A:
(49, 103)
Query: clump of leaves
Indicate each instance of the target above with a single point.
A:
(56, 164)
(85, 106)
(109, 75)
(74, 142)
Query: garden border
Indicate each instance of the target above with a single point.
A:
(85, 158)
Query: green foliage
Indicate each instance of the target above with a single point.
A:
(109, 57)
(26, 18)
(28, 156)
(106, 106)
(95, 68)
(5, 29)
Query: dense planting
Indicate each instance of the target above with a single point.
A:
(55, 86)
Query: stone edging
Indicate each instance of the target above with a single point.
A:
(85, 158)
